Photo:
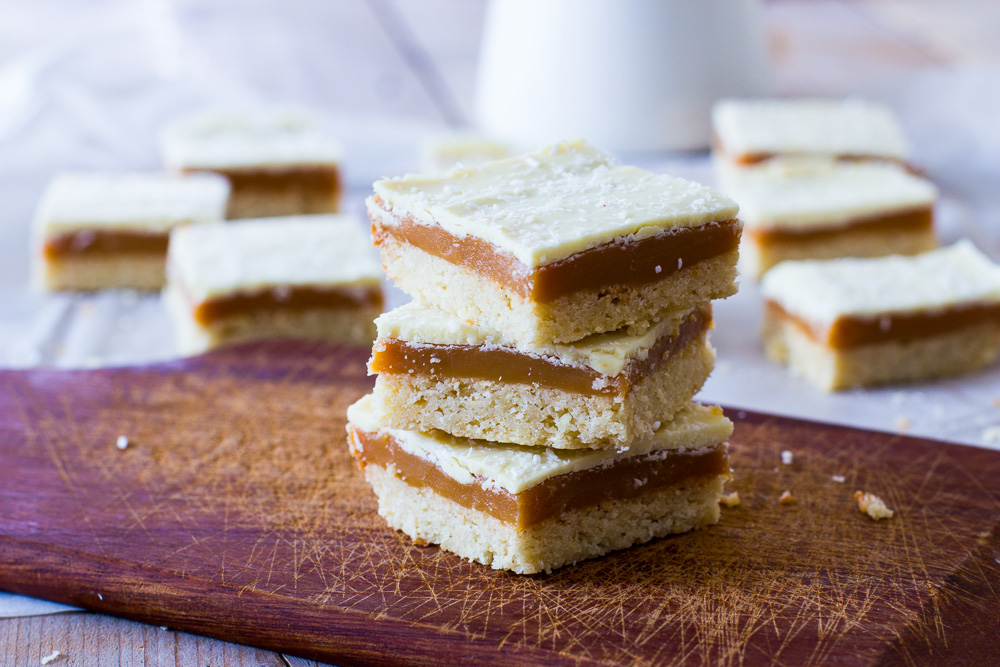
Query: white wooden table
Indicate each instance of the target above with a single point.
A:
(85, 85)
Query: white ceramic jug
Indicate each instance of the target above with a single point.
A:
(623, 74)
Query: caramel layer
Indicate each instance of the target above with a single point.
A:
(512, 366)
(285, 299)
(102, 242)
(747, 159)
(620, 262)
(554, 496)
(856, 331)
(914, 220)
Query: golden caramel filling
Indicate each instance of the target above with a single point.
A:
(854, 331)
(619, 262)
(509, 365)
(915, 220)
(103, 242)
(286, 299)
(747, 159)
(623, 480)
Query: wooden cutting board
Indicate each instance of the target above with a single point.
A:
(236, 512)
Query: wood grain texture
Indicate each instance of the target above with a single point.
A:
(237, 513)
(92, 640)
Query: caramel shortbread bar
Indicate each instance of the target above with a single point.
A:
(534, 509)
(556, 245)
(821, 209)
(437, 372)
(106, 230)
(295, 277)
(748, 132)
(855, 322)
(279, 161)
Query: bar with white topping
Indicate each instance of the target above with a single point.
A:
(556, 245)
(105, 230)
(821, 209)
(295, 277)
(535, 509)
(751, 131)
(857, 322)
(279, 161)
(607, 390)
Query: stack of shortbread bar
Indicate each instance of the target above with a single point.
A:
(533, 403)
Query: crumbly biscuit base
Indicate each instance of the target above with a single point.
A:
(351, 327)
(543, 416)
(965, 351)
(139, 271)
(564, 540)
(756, 257)
(480, 301)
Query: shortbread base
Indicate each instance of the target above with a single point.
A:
(479, 300)
(138, 271)
(544, 416)
(756, 257)
(553, 543)
(965, 351)
(276, 191)
(351, 326)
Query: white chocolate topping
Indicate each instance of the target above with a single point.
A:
(259, 138)
(145, 202)
(608, 353)
(822, 291)
(545, 206)
(266, 253)
(809, 126)
(516, 468)
(799, 194)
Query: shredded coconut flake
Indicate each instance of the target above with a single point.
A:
(50, 657)
(872, 505)
(658, 268)
(786, 457)
(122, 442)
(839, 479)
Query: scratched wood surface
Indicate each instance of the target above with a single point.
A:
(236, 512)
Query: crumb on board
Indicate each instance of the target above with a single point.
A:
(872, 505)
(730, 499)
(991, 435)
(786, 457)
(786, 497)
(839, 479)
(121, 442)
(51, 657)
(903, 424)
